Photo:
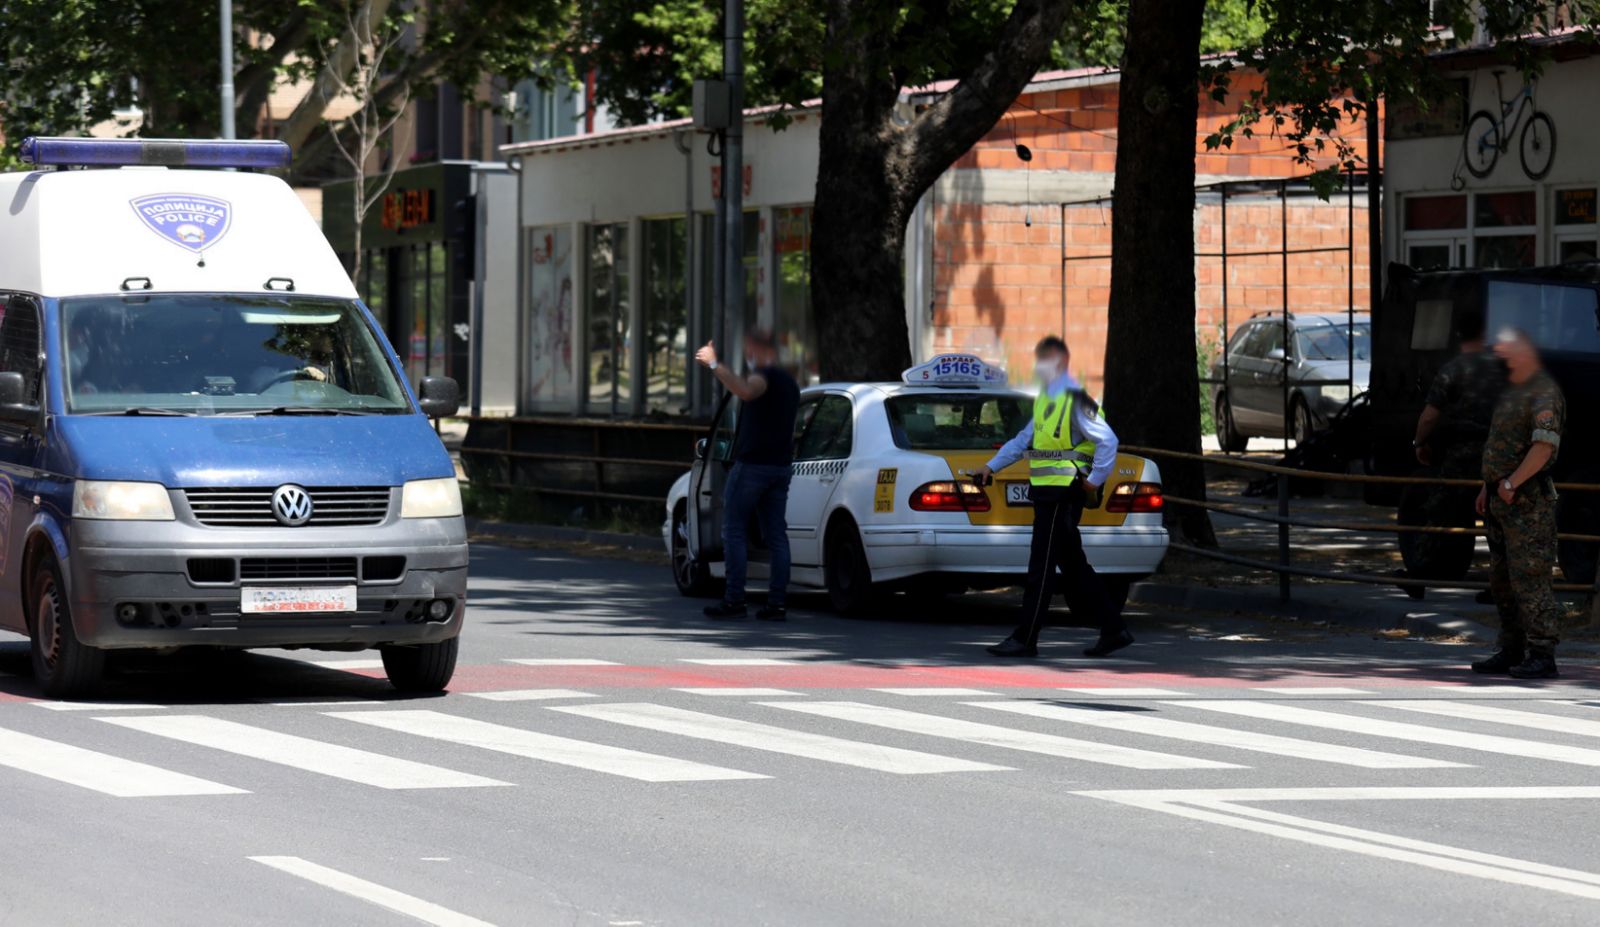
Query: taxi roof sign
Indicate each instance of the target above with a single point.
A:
(955, 370)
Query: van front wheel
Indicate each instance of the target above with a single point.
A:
(64, 666)
(421, 667)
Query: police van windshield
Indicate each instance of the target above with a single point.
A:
(224, 355)
(956, 421)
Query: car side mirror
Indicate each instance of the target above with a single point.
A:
(1276, 354)
(700, 449)
(14, 404)
(440, 396)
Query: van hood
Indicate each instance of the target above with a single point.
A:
(320, 450)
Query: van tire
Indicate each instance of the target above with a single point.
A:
(846, 571)
(64, 666)
(421, 667)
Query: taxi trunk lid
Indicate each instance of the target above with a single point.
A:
(1005, 510)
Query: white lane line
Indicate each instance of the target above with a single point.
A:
(735, 691)
(99, 771)
(560, 661)
(361, 664)
(1129, 692)
(1528, 719)
(528, 695)
(935, 690)
(991, 735)
(776, 739)
(99, 706)
(1354, 793)
(1139, 723)
(1487, 743)
(314, 702)
(385, 772)
(371, 892)
(565, 751)
(1465, 690)
(1311, 690)
(741, 661)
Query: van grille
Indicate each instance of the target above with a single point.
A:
(297, 568)
(251, 507)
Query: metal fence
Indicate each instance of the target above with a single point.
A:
(611, 460)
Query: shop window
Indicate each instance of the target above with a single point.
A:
(1504, 252)
(609, 376)
(1436, 212)
(666, 317)
(438, 311)
(550, 302)
(1574, 220)
(375, 286)
(1499, 210)
(795, 325)
(708, 264)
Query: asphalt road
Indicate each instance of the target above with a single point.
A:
(643, 765)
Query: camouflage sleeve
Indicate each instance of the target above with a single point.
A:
(1548, 413)
(1443, 386)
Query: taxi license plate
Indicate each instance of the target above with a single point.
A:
(1017, 494)
(285, 600)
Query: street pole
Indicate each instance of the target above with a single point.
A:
(226, 8)
(732, 309)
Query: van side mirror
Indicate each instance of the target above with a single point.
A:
(14, 404)
(440, 396)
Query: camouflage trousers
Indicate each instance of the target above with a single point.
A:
(1522, 556)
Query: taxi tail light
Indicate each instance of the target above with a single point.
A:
(1135, 498)
(950, 496)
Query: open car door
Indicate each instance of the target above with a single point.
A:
(708, 476)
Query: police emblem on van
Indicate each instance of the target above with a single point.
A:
(187, 220)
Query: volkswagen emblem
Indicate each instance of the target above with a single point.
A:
(292, 505)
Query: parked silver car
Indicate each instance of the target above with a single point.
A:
(1248, 394)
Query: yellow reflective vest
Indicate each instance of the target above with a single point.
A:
(1059, 456)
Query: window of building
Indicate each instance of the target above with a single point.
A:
(550, 322)
(1575, 225)
(1485, 230)
(417, 308)
(666, 316)
(609, 375)
(1505, 229)
(752, 268)
(375, 286)
(794, 323)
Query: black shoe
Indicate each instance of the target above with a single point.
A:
(1484, 597)
(1011, 647)
(726, 610)
(1537, 666)
(1501, 662)
(773, 613)
(1109, 643)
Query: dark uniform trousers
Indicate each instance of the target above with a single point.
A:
(1058, 545)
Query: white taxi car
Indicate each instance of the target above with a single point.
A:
(882, 496)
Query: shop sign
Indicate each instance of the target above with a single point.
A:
(407, 209)
(1575, 207)
(716, 180)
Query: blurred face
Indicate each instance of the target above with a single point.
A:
(1519, 356)
(1049, 363)
(758, 354)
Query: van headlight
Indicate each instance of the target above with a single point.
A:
(431, 498)
(121, 501)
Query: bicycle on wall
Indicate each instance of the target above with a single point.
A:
(1488, 136)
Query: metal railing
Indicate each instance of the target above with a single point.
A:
(620, 456)
(1285, 568)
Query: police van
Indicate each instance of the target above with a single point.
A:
(205, 439)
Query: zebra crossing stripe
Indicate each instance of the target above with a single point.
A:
(1559, 724)
(528, 695)
(775, 739)
(340, 762)
(1135, 723)
(99, 772)
(991, 735)
(371, 892)
(1420, 733)
(565, 751)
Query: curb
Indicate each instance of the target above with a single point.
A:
(1204, 598)
(561, 533)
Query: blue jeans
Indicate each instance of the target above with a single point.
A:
(761, 489)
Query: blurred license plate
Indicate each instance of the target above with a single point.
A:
(1017, 494)
(272, 600)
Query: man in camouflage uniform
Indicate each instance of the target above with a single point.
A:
(1518, 503)
(1451, 430)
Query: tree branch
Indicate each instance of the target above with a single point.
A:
(307, 116)
(254, 82)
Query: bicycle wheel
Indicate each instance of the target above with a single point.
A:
(1538, 146)
(1480, 147)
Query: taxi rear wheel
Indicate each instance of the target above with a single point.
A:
(422, 667)
(64, 666)
(845, 568)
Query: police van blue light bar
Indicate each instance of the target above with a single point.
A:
(163, 152)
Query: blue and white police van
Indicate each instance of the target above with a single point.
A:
(205, 439)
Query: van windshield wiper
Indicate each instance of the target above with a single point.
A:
(301, 410)
(145, 410)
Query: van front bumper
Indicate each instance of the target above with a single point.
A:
(135, 584)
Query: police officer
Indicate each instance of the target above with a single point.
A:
(1070, 451)
(1450, 432)
(1518, 503)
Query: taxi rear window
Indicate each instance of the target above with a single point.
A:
(956, 421)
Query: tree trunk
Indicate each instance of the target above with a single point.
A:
(1152, 391)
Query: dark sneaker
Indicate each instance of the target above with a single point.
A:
(1537, 666)
(773, 613)
(1011, 647)
(1501, 662)
(1109, 643)
(726, 610)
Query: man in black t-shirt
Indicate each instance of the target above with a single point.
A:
(758, 484)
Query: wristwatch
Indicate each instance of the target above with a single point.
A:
(1506, 485)
(712, 366)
